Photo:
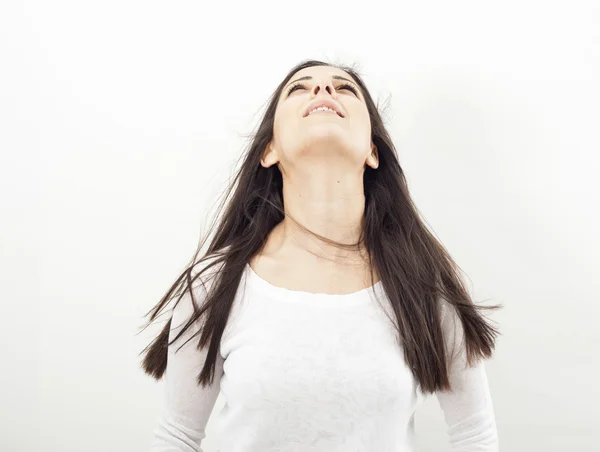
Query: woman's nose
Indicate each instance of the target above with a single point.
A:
(326, 86)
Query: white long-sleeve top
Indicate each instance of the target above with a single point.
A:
(305, 372)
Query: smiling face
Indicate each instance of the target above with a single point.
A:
(332, 138)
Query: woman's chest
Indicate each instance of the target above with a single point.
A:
(347, 362)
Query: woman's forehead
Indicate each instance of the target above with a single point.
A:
(319, 71)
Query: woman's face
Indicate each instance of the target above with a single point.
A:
(342, 139)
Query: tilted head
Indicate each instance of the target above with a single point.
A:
(339, 134)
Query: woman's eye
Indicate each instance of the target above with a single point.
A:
(293, 88)
(348, 87)
(342, 86)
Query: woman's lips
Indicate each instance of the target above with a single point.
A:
(323, 111)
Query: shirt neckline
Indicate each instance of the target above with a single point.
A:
(284, 294)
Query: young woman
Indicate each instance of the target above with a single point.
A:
(330, 310)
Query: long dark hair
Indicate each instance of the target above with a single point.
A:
(416, 271)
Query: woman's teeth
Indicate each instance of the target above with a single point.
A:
(323, 109)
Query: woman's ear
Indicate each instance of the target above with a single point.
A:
(373, 158)
(269, 157)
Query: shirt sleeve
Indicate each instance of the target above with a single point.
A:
(187, 406)
(467, 408)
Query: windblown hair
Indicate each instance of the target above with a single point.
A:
(416, 271)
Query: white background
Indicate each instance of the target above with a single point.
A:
(120, 122)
